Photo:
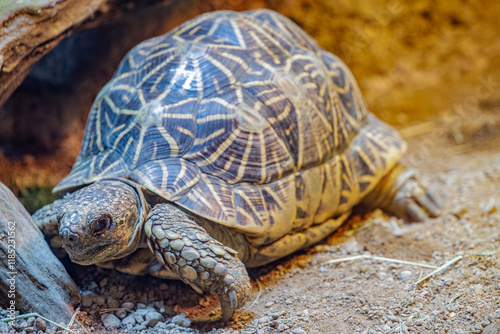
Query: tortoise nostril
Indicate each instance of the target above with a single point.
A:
(68, 237)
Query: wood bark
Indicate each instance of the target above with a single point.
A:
(32, 279)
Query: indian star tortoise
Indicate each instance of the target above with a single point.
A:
(231, 141)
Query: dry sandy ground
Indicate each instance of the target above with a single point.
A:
(305, 293)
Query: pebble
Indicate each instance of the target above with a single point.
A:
(104, 282)
(269, 304)
(128, 305)
(489, 207)
(181, 320)
(110, 321)
(298, 331)
(160, 327)
(382, 276)
(129, 320)
(99, 300)
(121, 313)
(113, 303)
(138, 318)
(405, 274)
(86, 300)
(40, 325)
(152, 318)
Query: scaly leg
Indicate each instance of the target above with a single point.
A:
(186, 249)
(46, 219)
(403, 194)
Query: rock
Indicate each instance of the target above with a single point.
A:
(161, 326)
(99, 300)
(152, 318)
(110, 321)
(113, 303)
(382, 275)
(129, 320)
(405, 274)
(40, 325)
(138, 318)
(31, 278)
(121, 313)
(87, 300)
(298, 330)
(181, 320)
(4, 327)
(128, 305)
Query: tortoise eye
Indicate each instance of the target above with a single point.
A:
(101, 225)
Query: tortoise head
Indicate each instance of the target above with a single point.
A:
(101, 222)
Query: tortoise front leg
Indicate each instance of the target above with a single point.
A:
(46, 219)
(199, 260)
(402, 193)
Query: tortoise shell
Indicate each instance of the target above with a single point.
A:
(240, 118)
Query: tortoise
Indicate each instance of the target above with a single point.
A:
(233, 140)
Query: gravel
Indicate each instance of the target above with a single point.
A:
(110, 321)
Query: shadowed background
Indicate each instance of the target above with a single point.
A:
(416, 62)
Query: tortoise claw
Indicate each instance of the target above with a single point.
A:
(414, 202)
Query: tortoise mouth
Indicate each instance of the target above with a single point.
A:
(90, 257)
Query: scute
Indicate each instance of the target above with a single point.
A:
(240, 118)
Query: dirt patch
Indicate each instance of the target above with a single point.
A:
(305, 293)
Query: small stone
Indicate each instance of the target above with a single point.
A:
(382, 275)
(263, 320)
(220, 269)
(269, 304)
(489, 207)
(113, 303)
(189, 273)
(128, 305)
(104, 282)
(99, 300)
(218, 250)
(152, 318)
(129, 320)
(177, 245)
(190, 254)
(110, 321)
(40, 325)
(138, 318)
(87, 300)
(208, 262)
(298, 330)
(141, 306)
(139, 327)
(121, 313)
(161, 327)
(181, 320)
(181, 262)
(405, 274)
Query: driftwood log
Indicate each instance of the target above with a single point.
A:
(30, 29)
(31, 278)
